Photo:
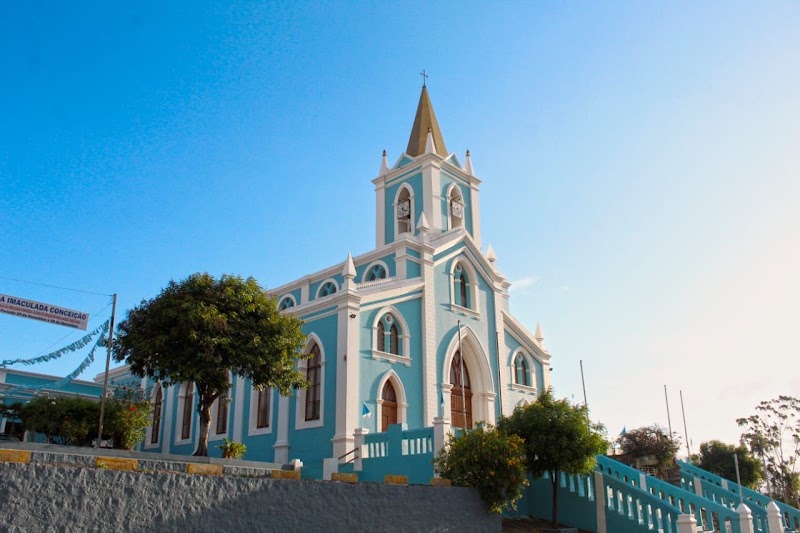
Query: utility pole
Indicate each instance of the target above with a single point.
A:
(105, 377)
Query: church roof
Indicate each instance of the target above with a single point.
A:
(425, 121)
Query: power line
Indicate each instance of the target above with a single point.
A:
(55, 286)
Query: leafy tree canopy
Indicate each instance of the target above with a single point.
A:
(774, 434)
(199, 329)
(650, 442)
(717, 457)
(559, 437)
(488, 460)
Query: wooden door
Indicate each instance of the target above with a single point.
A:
(460, 394)
(389, 407)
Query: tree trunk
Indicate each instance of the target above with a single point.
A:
(204, 410)
(554, 480)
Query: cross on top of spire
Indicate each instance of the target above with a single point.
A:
(424, 77)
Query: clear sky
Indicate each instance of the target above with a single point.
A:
(640, 166)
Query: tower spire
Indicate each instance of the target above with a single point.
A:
(424, 121)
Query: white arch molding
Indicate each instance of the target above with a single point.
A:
(454, 193)
(472, 283)
(530, 360)
(404, 338)
(399, 391)
(480, 373)
(412, 211)
(300, 421)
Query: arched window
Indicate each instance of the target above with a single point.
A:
(404, 211)
(389, 406)
(388, 335)
(188, 411)
(327, 289)
(460, 394)
(286, 303)
(262, 417)
(521, 374)
(155, 428)
(222, 413)
(455, 207)
(375, 272)
(461, 286)
(313, 377)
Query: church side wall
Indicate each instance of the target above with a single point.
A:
(518, 396)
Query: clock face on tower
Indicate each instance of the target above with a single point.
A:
(457, 209)
(404, 209)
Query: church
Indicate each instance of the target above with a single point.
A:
(417, 329)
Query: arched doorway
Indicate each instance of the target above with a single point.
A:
(389, 406)
(460, 394)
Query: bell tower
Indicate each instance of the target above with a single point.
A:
(425, 179)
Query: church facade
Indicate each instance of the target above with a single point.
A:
(417, 329)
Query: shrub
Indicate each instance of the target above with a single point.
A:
(232, 450)
(488, 460)
(128, 413)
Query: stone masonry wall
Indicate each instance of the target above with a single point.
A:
(37, 497)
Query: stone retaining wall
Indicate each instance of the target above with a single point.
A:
(35, 496)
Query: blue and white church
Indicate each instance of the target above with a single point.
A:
(415, 332)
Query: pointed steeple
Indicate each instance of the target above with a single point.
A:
(425, 121)
(538, 334)
(491, 256)
(349, 269)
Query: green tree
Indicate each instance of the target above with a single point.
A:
(200, 329)
(773, 434)
(559, 437)
(488, 460)
(717, 457)
(129, 414)
(650, 442)
(69, 421)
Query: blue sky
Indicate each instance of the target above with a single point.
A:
(640, 168)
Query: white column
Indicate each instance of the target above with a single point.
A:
(698, 486)
(687, 524)
(600, 501)
(429, 386)
(643, 481)
(476, 214)
(358, 442)
(774, 518)
(281, 445)
(238, 409)
(380, 215)
(441, 427)
(506, 407)
(745, 519)
(348, 357)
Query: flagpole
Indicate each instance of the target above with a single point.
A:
(105, 377)
(463, 385)
(583, 383)
(686, 433)
(669, 420)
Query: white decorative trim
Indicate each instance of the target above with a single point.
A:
(392, 358)
(402, 399)
(531, 371)
(182, 392)
(288, 296)
(215, 408)
(455, 308)
(412, 210)
(253, 422)
(450, 217)
(369, 267)
(404, 336)
(300, 421)
(148, 444)
(380, 215)
(476, 359)
(472, 286)
(525, 338)
(325, 282)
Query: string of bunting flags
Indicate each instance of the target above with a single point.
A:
(101, 342)
(77, 345)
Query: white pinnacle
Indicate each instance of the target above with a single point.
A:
(349, 270)
(384, 165)
(538, 334)
(430, 147)
(490, 255)
(422, 225)
(468, 166)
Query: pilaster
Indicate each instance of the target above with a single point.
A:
(380, 214)
(429, 381)
(238, 409)
(347, 365)
(504, 384)
(476, 214)
(170, 393)
(431, 178)
(281, 445)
